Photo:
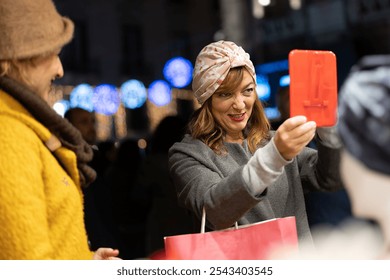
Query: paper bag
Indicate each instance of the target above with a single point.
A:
(247, 242)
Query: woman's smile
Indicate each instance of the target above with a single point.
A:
(237, 117)
(232, 109)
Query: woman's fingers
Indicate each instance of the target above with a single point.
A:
(293, 135)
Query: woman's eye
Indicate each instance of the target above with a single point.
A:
(224, 94)
(249, 91)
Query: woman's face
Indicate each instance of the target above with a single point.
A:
(233, 109)
(43, 72)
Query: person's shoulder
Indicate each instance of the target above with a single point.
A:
(14, 127)
(188, 142)
(18, 143)
(192, 147)
(16, 120)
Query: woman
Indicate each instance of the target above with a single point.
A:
(232, 164)
(43, 157)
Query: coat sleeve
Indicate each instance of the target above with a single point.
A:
(24, 225)
(320, 170)
(199, 182)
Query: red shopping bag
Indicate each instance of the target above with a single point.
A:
(313, 85)
(247, 242)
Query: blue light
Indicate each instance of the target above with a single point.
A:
(284, 81)
(106, 99)
(272, 67)
(160, 93)
(263, 87)
(178, 72)
(133, 94)
(272, 113)
(61, 106)
(81, 97)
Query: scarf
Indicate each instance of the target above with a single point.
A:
(69, 136)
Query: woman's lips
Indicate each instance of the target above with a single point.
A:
(237, 117)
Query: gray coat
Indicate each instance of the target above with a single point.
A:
(249, 188)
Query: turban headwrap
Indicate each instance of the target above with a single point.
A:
(213, 64)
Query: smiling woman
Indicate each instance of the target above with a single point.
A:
(232, 106)
(231, 164)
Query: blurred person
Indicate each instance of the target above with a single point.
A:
(165, 218)
(364, 127)
(130, 201)
(43, 157)
(232, 165)
(98, 214)
(107, 153)
(84, 121)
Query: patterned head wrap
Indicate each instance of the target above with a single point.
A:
(213, 64)
(364, 113)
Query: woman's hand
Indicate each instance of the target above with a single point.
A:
(293, 135)
(106, 254)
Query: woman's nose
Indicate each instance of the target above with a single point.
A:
(239, 103)
(60, 69)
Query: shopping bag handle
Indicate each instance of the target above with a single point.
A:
(203, 222)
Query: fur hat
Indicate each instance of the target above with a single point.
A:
(31, 27)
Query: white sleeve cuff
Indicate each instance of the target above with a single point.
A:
(264, 167)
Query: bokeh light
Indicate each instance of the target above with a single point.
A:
(142, 144)
(178, 72)
(284, 81)
(106, 99)
(133, 94)
(160, 93)
(263, 87)
(81, 97)
(61, 106)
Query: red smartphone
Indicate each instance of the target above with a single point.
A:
(313, 85)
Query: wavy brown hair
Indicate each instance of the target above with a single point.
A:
(204, 127)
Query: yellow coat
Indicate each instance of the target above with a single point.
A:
(41, 206)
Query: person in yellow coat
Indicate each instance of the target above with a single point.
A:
(43, 158)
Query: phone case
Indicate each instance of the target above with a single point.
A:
(313, 85)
